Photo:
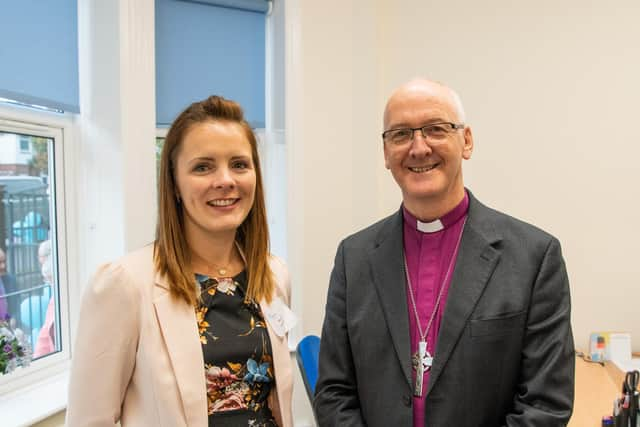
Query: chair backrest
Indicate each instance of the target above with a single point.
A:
(307, 357)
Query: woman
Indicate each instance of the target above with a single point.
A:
(191, 331)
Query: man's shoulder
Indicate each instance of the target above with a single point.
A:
(372, 233)
(506, 225)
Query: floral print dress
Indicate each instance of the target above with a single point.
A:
(237, 354)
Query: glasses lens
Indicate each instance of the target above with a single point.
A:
(399, 136)
(437, 131)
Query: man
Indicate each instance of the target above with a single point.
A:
(447, 313)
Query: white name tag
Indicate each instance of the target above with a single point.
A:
(280, 317)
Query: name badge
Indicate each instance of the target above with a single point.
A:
(280, 317)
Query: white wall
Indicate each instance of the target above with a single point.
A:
(333, 142)
(551, 90)
(331, 114)
(116, 151)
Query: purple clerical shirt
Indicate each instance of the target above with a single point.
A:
(429, 255)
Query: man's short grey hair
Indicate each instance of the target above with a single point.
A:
(454, 98)
(457, 104)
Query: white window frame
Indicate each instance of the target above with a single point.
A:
(161, 132)
(39, 390)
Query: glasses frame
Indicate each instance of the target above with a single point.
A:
(454, 127)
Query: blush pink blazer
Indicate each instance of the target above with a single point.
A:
(138, 357)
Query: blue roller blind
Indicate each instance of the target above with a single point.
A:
(39, 53)
(203, 49)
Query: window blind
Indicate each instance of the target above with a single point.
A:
(39, 53)
(204, 49)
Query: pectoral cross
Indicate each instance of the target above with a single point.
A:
(421, 362)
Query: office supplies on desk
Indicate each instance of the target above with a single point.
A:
(625, 409)
(619, 346)
(631, 382)
(631, 385)
(627, 365)
(608, 422)
(599, 346)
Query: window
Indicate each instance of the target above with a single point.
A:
(24, 143)
(27, 294)
(33, 275)
(227, 39)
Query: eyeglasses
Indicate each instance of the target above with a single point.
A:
(433, 132)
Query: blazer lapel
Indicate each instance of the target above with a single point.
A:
(387, 268)
(282, 370)
(477, 259)
(180, 332)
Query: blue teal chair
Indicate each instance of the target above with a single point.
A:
(307, 356)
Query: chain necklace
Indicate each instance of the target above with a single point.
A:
(422, 359)
(219, 272)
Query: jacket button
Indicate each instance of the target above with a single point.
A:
(407, 400)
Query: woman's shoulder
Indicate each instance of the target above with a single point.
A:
(281, 277)
(126, 274)
(277, 264)
(138, 261)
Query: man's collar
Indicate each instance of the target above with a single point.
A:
(441, 223)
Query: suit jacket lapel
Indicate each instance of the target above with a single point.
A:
(477, 259)
(180, 332)
(387, 268)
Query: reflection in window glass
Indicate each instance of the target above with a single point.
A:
(28, 283)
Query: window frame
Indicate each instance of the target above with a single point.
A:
(161, 132)
(25, 380)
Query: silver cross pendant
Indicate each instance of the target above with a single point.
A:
(421, 362)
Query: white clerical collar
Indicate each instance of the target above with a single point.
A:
(429, 227)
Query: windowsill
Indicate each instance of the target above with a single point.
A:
(30, 405)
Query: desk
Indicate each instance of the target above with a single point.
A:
(596, 387)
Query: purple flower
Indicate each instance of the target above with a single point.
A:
(8, 349)
(7, 316)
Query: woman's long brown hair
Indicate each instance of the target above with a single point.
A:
(172, 256)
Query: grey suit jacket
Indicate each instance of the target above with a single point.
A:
(505, 348)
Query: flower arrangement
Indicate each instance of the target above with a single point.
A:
(15, 349)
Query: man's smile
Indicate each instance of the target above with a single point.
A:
(423, 169)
